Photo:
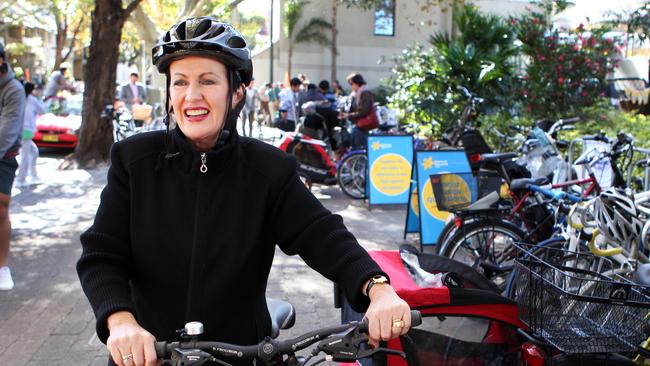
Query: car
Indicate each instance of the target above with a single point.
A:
(59, 127)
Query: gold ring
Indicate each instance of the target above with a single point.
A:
(127, 357)
(398, 323)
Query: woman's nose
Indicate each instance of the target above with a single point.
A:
(193, 92)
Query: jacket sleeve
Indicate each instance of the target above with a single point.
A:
(12, 109)
(303, 226)
(39, 106)
(104, 267)
(364, 107)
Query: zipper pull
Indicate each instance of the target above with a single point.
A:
(204, 168)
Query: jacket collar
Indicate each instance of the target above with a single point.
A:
(189, 157)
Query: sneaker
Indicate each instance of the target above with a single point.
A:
(34, 180)
(6, 282)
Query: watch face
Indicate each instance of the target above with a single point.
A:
(379, 279)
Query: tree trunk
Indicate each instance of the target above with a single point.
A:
(335, 31)
(95, 136)
(289, 59)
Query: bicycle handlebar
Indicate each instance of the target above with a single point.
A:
(269, 348)
(602, 252)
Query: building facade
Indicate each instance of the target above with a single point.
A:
(368, 41)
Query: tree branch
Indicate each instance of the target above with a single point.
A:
(134, 4)
(73, 38)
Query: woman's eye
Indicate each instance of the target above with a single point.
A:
(179, 83)
(209, 82)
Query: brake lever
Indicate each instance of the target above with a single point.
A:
(348, 346)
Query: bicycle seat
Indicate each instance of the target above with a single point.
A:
(642, 274)
(497, 158)
(523, 183)
(645, 163)
(283, 316)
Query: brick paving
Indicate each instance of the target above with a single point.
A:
(46, 319)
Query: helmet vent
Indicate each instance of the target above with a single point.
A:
(202, 27)
(236, 42)
(167, 37)
(218, 31)
(180, 31)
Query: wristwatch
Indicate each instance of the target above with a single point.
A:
(375, 280)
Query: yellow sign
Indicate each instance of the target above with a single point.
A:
(390, 174)
(455, 189)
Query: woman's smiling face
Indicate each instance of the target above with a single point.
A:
(198, 92)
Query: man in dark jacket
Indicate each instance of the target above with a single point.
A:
(12, 108)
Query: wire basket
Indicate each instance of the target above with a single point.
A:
(457, 191)
(576, 302)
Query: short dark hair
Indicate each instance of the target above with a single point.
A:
(29, 88)
(2, 50)
(311, 86)
(356, 78)
(295, 81)
(324, 85)
(135, 74)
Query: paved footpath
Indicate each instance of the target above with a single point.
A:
(46, 319)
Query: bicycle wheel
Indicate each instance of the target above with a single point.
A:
(485, 245)
(351, 175)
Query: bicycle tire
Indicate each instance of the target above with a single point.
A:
(351, 175)
(482, 255)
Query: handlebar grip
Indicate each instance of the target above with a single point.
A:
(416, 318)
(161, 349)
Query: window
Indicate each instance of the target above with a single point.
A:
(385, 18)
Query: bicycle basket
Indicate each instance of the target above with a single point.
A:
(576, 302)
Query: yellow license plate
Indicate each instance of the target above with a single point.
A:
(51, 138)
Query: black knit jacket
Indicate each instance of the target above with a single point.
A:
(171, 244)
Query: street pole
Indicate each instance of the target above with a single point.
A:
(144, 55)
(271, 49)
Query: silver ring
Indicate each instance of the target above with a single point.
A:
(127, 357)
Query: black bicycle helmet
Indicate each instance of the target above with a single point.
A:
(204, 36)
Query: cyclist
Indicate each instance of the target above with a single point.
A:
(197, 211)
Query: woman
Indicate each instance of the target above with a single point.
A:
(189, 218)
(363, 102)
(29, 152)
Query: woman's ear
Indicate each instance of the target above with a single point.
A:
(237, 96)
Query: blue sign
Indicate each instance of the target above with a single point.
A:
(389, 169)
(432, 220)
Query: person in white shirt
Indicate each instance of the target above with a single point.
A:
(289, 99)
(250, 109)
(29, 151)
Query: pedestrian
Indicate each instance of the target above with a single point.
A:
(250, 109)
(338, 89)
(289, 99)
(132, 92)
(12, 110)
(265, 108)
(189, 219)
(324, 90)
(29, 151)
(363, 102)
(57, 83)
(273, 100)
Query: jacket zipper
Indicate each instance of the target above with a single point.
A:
(204, 167)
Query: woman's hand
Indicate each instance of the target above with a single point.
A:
(388, 315)
(129, 343)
